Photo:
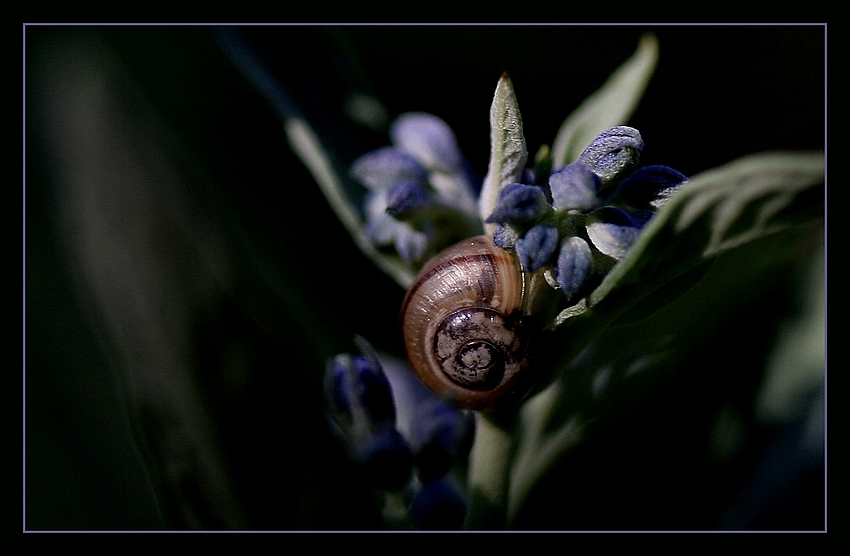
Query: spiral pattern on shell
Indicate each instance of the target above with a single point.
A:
(464, 326)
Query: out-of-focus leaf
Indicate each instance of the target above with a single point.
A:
(508, 153)
(332, 182)
(609, 106)
(323, 154)
(796, 365)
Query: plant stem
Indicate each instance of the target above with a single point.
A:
(489, 470)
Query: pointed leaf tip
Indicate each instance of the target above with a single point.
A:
(508, 153)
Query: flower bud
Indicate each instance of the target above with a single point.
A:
(412, 245)
(359, 392)
(505, 236)
(428, 139)
(386, 166)
(612, 231)
(614, 153)
(380, 226)
(441, 435)
(650, 187)
(519, 204)
(575, 187)
(536, 247)
(574, 265)
(405, 197)
(360, 402)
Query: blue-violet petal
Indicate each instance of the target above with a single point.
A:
(650, 186)
(614, 152)
(574, 265)
(612, 231)
(428, 139)
(405, 197)
(574, 188)
(536, 247)
(382, 168)
(518, 204)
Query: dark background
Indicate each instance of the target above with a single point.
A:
(177, 321)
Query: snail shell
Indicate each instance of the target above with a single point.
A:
(466, 328)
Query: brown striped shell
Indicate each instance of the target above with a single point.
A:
(465, 328)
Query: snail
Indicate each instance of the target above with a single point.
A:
(469, 324)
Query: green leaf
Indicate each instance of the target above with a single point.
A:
(508, 153)
(609, 106)
(716, 211)
(718, 240)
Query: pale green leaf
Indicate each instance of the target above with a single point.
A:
(508, 153)
(609, 106)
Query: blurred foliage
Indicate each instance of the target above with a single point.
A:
(186, 281)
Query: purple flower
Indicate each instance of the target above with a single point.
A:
(575, 188)
(405, 197)
(567, 229)
(384, 167)
(362, 412)
(612, 231)
(418, 188)
(536, 248)
(428, 139)
(575, 263)
(650, 187)
(391, 423)
(614, 153)
(519, 204)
